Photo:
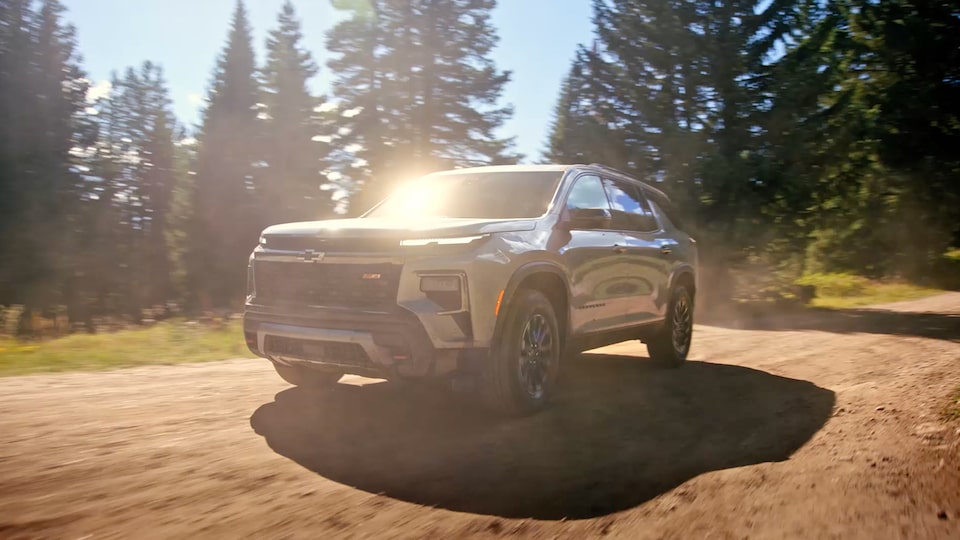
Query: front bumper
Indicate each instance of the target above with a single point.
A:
(393, 344)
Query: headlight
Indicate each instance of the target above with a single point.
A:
(439, 241)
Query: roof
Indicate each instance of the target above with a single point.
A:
(552, 168)
(505, 168)
(616, 172)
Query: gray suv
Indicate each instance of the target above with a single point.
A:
(485, 276)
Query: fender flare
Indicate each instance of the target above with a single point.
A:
(513, 284)
(683, 270)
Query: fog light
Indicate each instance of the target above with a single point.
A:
(440, 284)
(444, 290)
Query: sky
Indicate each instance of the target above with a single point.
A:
(538, 39)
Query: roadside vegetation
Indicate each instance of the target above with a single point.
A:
(180, 341)
(168, 342)
(838, 291)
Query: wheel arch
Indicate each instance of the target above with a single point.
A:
(684, 275)
(547, 278)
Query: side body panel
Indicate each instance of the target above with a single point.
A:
(650, 269)
(600, 289)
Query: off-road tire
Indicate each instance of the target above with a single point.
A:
(310, 379)
(509, 380)
(663, 348)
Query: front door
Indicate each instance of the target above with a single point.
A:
(596, 261)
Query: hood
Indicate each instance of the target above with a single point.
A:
(407, 229)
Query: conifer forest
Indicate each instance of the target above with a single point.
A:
(794, 136)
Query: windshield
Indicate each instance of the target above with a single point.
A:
(487, 195)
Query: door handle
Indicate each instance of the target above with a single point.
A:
(666, 249)
(619, 250)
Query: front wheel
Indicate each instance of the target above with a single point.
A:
(669, 347)
(520, 375)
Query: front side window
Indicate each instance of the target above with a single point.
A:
(587, 192)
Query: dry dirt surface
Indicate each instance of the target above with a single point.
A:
(814, 426)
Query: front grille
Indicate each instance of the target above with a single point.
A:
(333, 352)
(364, 286)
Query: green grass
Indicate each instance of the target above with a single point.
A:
(946, 272)
(839, 291)
(164, 343)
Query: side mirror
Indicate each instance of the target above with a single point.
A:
(588, 218)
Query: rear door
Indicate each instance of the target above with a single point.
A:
(647, 269)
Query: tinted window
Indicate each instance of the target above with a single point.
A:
(630, 210)
(490, 195)
(587, 192)
(668, 211)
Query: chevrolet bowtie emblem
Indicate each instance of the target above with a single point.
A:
(312, 256)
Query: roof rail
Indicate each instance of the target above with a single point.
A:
(609, 168)
(628, 175)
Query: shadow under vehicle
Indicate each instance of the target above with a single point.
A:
(619, 434)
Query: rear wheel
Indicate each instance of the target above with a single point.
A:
(307, 378)
(521, 373)
(669, 347)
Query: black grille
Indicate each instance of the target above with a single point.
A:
(365, 286)
(324, 351)
(334, 245)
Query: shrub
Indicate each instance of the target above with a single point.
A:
(835, 284)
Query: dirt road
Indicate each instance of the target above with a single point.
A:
(804, 427)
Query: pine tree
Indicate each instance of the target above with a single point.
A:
(290, 182)
(180, 215)
(419, 87)
(356, 45)
(158, 175)
(892, 140)
(580, 130)
(675, 88)
(122, 260)
(43, 93)
(17, 101)
(225, 216)
(562, 144)
(795, 115)
(672, 85)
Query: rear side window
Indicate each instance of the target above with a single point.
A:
(631, 212)
(587, 192)
(669, 212)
